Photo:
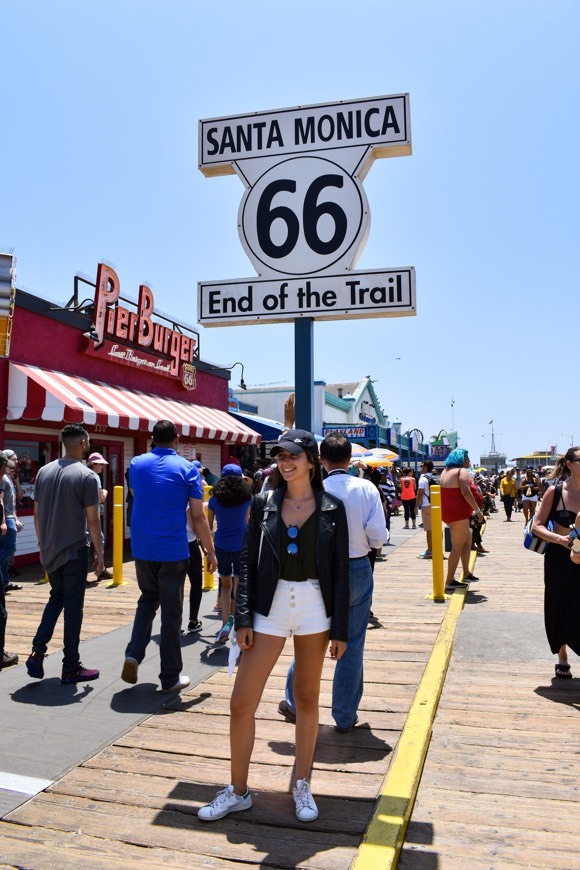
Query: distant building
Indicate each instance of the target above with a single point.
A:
(351, 408)
(493, 461)
(537, 459)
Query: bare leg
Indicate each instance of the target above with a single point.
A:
(459, 536)
(309, 650)
(526, 506)
(225, 597)
(466, 552)
(253, 671)
(233, 598)
(563, 655)
(532, 508)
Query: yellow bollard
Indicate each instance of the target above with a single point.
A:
(118, 529)
(207, 575)
(437, 545)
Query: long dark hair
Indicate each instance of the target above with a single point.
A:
(561, 471)
(232, 490)
(276, 480)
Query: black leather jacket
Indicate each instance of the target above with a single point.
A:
(260, 560)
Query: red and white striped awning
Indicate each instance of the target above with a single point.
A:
(41, 394)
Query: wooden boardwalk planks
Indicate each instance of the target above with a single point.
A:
(144, 790)
(501, 783)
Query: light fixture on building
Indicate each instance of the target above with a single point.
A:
(242, 383)
(92, 334)
(215, 368)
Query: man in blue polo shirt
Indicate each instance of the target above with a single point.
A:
(163, 484)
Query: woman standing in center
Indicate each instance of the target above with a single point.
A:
(294, 580)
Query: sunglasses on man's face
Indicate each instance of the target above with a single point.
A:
(292, 548)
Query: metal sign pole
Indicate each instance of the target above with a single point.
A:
(304, 372)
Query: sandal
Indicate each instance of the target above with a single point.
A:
(563, 671)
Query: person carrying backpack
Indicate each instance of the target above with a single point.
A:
(423, 504)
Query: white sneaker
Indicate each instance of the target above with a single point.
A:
(306, 809)
(225, 801)
(130, 670)
(182, 683)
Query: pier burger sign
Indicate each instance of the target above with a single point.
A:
(304, 217)
(131, 336)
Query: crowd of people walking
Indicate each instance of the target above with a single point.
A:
(294, 550)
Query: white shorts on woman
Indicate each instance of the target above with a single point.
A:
(297, 608)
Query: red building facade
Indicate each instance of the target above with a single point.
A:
(61, 368)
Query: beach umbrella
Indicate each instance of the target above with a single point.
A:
(382, 453)
(375, 461)
(358, 449)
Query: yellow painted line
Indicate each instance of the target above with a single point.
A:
(385, 834)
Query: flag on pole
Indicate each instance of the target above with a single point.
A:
(490, 423)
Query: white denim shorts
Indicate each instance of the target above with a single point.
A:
(297, 608)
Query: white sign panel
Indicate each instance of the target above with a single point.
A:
(349, 431)
(329, 297)
(381, 123)
(304, 217)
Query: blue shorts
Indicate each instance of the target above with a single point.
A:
(228, 562)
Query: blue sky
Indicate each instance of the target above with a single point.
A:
(98, 157)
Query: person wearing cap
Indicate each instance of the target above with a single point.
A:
(96, 462)
(163, 485)
(11, 525)
(6, 658)
(366, 531)
(294, 581)
(230, 506)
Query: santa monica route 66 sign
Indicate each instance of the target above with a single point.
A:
(304, 218)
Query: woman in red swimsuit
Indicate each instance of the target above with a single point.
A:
(457, 505)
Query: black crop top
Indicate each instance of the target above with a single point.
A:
(564, 517)
(302, 566)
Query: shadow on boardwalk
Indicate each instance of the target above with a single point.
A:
(500, 785)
